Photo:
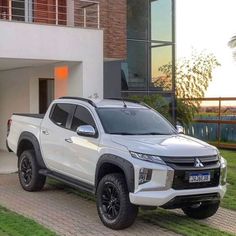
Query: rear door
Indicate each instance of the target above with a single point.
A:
(54, 130)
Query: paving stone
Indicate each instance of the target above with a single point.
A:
(65, 214)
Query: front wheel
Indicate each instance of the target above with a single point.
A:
(114, 207)
(202, 211)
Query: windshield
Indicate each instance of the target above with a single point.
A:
(133, 121)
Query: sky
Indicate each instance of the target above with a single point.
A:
(209, 24)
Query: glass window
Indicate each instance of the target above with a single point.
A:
(18, 10)
(161, 20)
(61, 113)
(137, 68)
(138, 19)
(82, 117)
(161, 68)
(133, 121)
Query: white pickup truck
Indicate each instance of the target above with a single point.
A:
(124, 152)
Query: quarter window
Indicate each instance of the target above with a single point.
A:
(82, 117)
(61, 114)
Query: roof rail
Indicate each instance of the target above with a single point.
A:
(80, 99)
(131, 100)
(126, 100)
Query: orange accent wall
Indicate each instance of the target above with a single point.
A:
(61, 75)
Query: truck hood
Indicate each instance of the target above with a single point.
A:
(165, 145)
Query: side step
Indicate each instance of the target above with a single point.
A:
(68, 180)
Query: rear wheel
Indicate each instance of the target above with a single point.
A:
(28, 172)
(202, 211)
(113, 204)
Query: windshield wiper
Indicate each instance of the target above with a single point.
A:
(155, 133)
(124, 133)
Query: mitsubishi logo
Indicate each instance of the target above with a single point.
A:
(198, 163)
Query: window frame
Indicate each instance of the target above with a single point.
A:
(69, 118)
(92, 115)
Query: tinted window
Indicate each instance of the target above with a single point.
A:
(61, 113)
(131, 121)
(82, 117)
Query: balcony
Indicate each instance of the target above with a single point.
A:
(73, 13)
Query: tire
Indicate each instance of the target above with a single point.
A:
(203, 211)
(28, 172)
(113, 204)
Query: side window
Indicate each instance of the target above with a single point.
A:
(61, 113)
(82, 117)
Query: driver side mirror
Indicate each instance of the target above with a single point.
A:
(86, 131)
(180, 129)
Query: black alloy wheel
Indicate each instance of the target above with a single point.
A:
(113, 204)
(110, 201)
(26, 170)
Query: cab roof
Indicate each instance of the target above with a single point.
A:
(108, 103)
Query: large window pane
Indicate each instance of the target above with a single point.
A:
(161, 20)
(161, 57)
(138, 19)
(18, 10)
(135, 71)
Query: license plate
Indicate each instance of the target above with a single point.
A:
(199, 177)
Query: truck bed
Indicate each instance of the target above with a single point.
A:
(38, 116)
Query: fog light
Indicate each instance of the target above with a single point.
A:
(145, 175)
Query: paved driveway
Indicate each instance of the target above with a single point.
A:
(8, 162)
(64, 213)
(68, 214)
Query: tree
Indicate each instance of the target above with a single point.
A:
(193, 76)
(232, 44)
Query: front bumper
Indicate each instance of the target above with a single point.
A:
(160, 198)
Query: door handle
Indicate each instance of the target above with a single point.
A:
(68, 140)
(44, 131)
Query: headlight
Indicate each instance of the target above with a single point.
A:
(223, 171)
(147, 157)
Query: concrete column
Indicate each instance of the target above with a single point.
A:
(70, 10)
(86, 80)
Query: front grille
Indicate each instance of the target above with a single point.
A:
(183, 166)
(188, 162)
(181, 180)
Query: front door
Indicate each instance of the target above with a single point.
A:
(82, 152)
(46, 94)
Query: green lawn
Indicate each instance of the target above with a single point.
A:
(179, 223)
(13, 224)
(229, 200)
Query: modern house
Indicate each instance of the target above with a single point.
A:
(95, 49)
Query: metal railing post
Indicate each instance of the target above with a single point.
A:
(57, 12)
(85, 17)
(219, 119)
(10, 10)
(98, 9)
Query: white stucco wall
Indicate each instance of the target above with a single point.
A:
(14, 97)
(19, 93)
(79, 49)
(57, 43)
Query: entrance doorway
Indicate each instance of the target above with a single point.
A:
(46, 94)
